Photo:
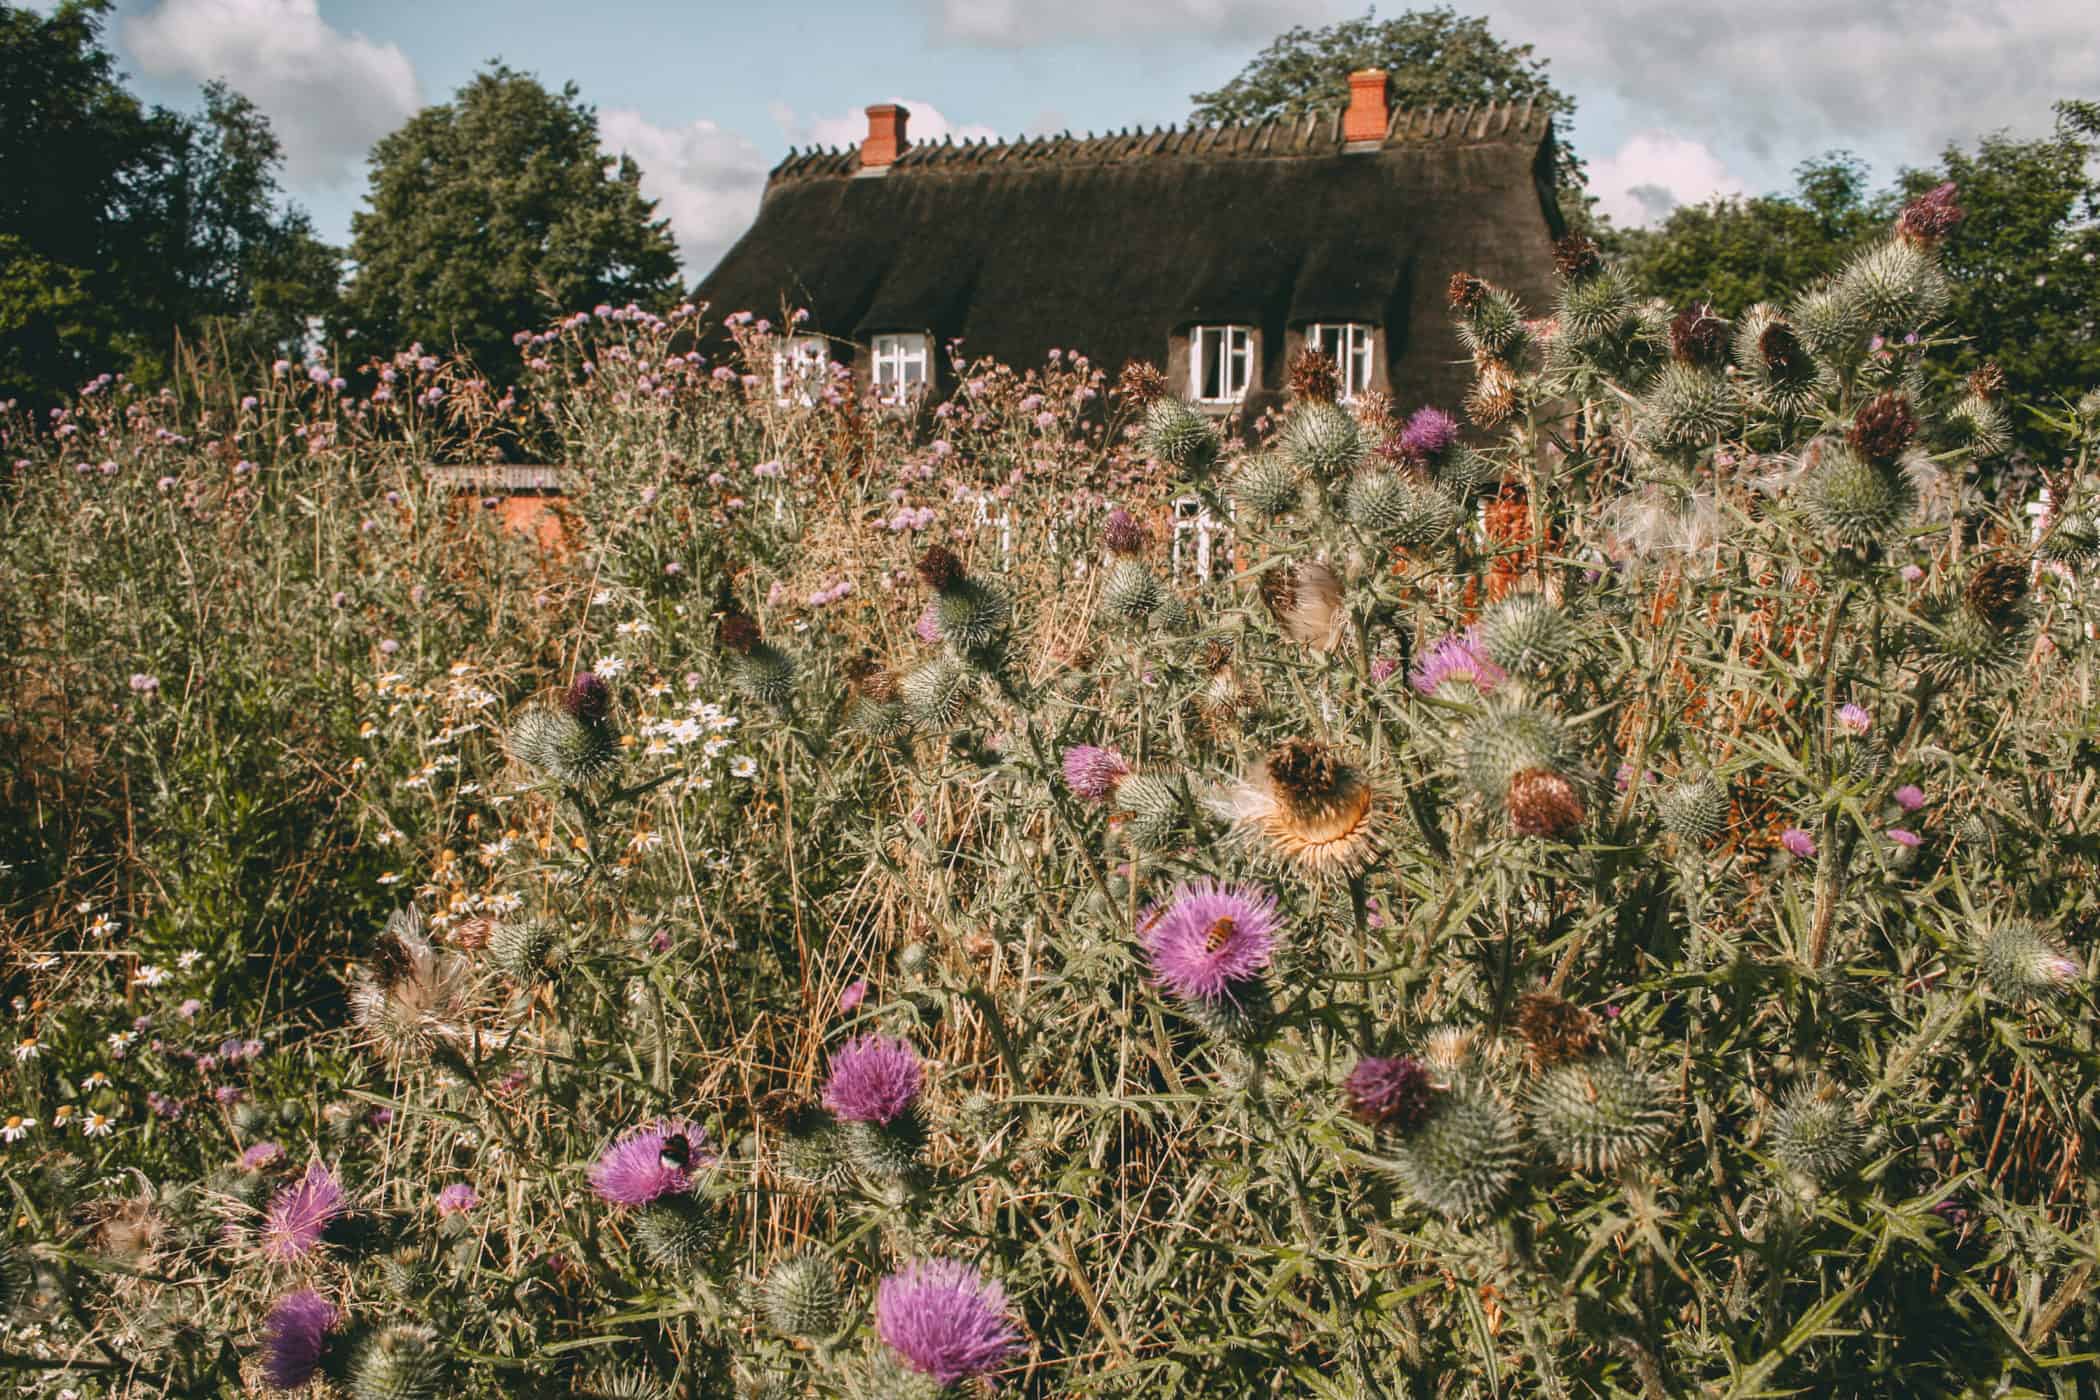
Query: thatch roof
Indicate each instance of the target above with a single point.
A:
(1110, 244)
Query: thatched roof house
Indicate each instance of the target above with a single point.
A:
(1214, 251)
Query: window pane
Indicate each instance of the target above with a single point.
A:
(1210, 377)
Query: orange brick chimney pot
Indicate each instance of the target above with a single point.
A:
(1368, 113)
(885, 140)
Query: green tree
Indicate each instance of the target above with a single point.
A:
(492, 212)
(1432, 58)
(1735, 252)
(123, 227)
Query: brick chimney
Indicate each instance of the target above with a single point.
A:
(885, 140)
(1368, 114)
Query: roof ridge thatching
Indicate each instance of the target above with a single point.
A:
(1317, 132)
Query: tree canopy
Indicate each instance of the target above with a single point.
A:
(489, 214)
(123, 226)
(1432, 58)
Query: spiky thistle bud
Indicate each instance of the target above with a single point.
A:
(1555, 1030)
(1399, 509)
(1598, 1115)
(522, 949)
(1699, 337)
(1541, 802)
(1594, 307)
(1692, 809)
(1979, 637)
(401, 1362)
(1688, 406)
(1882, 431)
(938, 693)
(1505, 739)
(1140, 383)
(1393, 1094)
(1267, 485)
(1179, 436)
(800, 1297)
(1854, 500)
(1149, 809)
(759, 670)
(870, 679)
(968, 615)
(1775, 365)
(1373, 411)
(1929, 218)
(1980, 425)
(1314, 377)
(1463, 1157)
(1493, 324)
(885, 1152)
(1526, 633)
(1131, 592)
(561, 746)
(1829, 322)
(1123, 534)
(2023, 964)
(1322, 440)
(1816, 1133)
(2073, 537)
(1897, 285)
(1575, 257)
(676, 1234)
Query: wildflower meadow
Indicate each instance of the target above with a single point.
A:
(1584, 891)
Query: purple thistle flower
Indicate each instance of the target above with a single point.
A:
(1092, 771)
(1901, 837)
(1855, 718)
(856, 992)
(1392, 1093)
(1910, 797)
(1798, 842)
(300, 1212)
(928, 628)
(874, 1079)
(638, 1168)
(1428, 432)
(457, 1199)
(1457, 657)
(588, 698)
(261, 1155)
(294, 1337)
(945, 1319)
(1209, 937)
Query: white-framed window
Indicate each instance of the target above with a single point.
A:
(1349, 345)
(901, 366)
(1221, 363)
(800, 363)
(1196, 532)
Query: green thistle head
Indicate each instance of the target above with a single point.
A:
(1132, 592)
(971, 616)
(1592, 309)
(1897, 286)
(938, 693)
(885, 1152)
(800, 1297)
(1856, 502)
(1490, 322)
(560, 746)
(1692, 809)
(1774, 360)
(677, 1234)
(1150, 808)
(1526, 633)
(1267, 486)
(2022, 964)
(1687, 406)
(1461, 1161)
(763, 674)
(1398, 509)
(523, 949)
(1979, 424)
(1462, 471)
(1828, 322)
(1598, 1115)
(1322, 440)
(1179, 436)
(401, 1362)
(1816, 1133)
(1508, 738)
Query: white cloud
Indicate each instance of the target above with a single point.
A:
(1785, 78)
(1653, 173)
(927, 123)
(329, 95)
(705, 179)
(1021, 23)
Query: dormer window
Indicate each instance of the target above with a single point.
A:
(1349, 345)
(1221, 363)
(901, 366)
(800, 364)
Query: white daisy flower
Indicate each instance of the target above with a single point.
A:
(150, 974)
(98, 1125)
(16, 1128)
(743, 766)
(608, 667)
(26, 1048)
(188, 958)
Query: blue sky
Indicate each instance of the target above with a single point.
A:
(1679, 99)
